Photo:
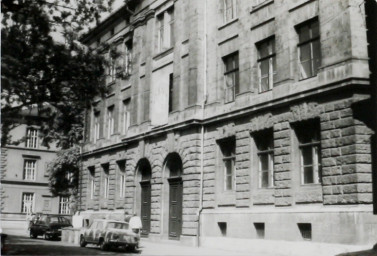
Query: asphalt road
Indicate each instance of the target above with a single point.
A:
(22, 245)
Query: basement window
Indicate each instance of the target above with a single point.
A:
(222, 226)
(305, 230)
(259, 227)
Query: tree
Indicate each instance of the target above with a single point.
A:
(43, 62)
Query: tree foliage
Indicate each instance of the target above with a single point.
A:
(43, 62)
(64, 172)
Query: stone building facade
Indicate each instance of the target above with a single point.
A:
(234, 119)
(24, 176)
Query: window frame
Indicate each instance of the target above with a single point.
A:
(110, 121)
(31, 137)
(233, 9)
(64, 205)
(106, 180)
(315, 147)
(96, 125)
(126, 114)
(30, 171)
(234, 75)
(92, 174)
(269, 151)
(309, 42)
(271, 57)
(165, 29)
(223, 145)
(23, 205)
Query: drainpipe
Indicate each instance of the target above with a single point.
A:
(202, 126)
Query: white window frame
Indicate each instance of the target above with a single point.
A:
(232, 8)
(27, 199)
(110, 121)
(231, 75)
(30, 169)
(232, 159)
(315, 149)
(122, 185)
(165, 29)
(97, 124)
(31, 137)
(64, 205)
(270, 156)
(106, 186)
(92, 182)
(271, 57)
(110, 69)
(125, 116)
(310, 42)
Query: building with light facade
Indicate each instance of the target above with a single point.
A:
(24, 176)
(234, 119)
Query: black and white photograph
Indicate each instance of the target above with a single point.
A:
(189, 127)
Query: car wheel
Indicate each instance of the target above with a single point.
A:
(33, 235)
(47, 237)
(82, 241)
(103, 245)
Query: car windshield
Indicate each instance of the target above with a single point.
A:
(117, 225)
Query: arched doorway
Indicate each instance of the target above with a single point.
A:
(144, 173)
(173, 168)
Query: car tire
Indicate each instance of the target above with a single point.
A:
(33, 235)
(82, 241)
(103, 245)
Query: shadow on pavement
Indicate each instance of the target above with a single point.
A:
(371, 252)
(22, 245)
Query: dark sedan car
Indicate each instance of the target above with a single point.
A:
(49, 226)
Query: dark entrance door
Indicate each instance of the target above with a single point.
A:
(175, 208)
(145, 207)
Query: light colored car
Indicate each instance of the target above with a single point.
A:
(109, 233)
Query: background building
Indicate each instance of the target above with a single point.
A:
(24, 177)
(235, 119)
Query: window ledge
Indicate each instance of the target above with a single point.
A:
(163, 53)
(257, 7)
(311, 77)
(125, 87)
(228, 24)
(311, 185)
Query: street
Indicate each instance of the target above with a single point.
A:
(23, 245)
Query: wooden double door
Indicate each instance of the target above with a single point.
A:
(175, 207)
(145, 207)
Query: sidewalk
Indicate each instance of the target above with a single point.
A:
(226, 246)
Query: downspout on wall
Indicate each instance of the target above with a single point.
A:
(202, 125)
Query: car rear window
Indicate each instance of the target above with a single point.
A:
(117, 225)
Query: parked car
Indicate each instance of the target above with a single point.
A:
(109, 233)
(49, 226)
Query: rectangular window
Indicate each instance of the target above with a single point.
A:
(266, 64)
(227, 148)
(31, 138)
(110, 121)
(127, 58)
(106, 182)
(110, 69)
(64, 205)
(27, 203)
(305, 230)
(308, 134)
(264, 141)
(259, 227)
(230, 10)
(92, 181)
(96, 129)
(30, 169)
(171, 88)
(309, 49)
(125, 116)
(122, 180)
(165, 29)
(231, 75)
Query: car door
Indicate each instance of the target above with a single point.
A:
(97, 231)
(89, 232)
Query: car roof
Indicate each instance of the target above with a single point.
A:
(106, 220)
